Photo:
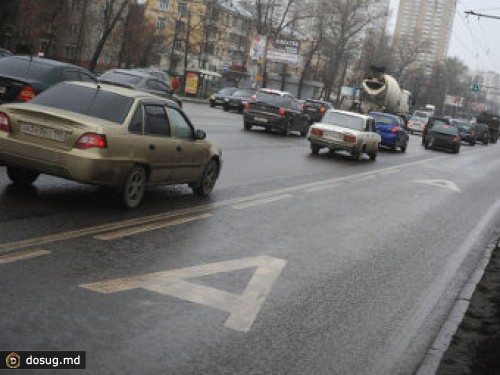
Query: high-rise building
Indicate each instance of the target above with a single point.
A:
(427, 25)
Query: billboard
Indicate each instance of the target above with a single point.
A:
(283, 51)
(454, 101)
(258, 47)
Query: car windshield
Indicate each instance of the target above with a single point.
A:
(242, 94)
(315, 104)
(28, 69)
(443, 127)
(86, 101)
(343, 119)
(122, 78)
(421, 114)
(227, 91)
(462, 125)
(381, 119)
(270, 98)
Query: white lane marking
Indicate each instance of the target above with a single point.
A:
(9, 258)
(243, 308)
(149, 227)
(371, 177)
(76, 233)
(323, 187)
(446, 184)
(260, 202)
(385, 173)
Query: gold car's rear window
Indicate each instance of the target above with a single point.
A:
(90, 101)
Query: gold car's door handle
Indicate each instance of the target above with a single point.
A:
(152, 147)
(179, 148)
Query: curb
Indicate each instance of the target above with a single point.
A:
(434, 355)
(186, 99)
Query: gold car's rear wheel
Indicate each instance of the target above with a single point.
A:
(206, 185)
(21, 176)
(134, 187)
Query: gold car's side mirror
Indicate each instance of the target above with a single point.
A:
(200, 135)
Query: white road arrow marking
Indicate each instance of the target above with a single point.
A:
(243, 308)
(446, 184)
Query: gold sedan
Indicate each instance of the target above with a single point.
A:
(106, 135)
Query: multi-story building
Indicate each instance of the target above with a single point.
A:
(425, 24)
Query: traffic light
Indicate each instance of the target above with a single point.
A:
(475, 88)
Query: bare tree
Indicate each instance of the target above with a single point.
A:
(345, 21)
(138, 37)
(109, 14)
(314, 47)
(42, 22)
(405, 51)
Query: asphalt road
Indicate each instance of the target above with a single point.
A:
(297, 264)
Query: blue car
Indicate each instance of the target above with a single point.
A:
(392, 130)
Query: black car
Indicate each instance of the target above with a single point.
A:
(140, 81)
(466, 130)
(430, 124)
(316, 109)
(482, 133)
(276, 110)
(237, 100)
(217, 99)
(24, 77)
(442, 135)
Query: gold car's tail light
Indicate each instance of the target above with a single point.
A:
(27, 93)
(350, 138)
(316, 131)
(4, 122)
(89, 140)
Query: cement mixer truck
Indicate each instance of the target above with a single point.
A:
(382, 93)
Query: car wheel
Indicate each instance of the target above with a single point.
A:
(207, 183)
(373, 156)
(358, 155)
(472, 143)
(456, 150)
(247, 126)
(403, 148)
(315, 149)
(426, 145)
(303, 132)
(286, 130)
(226, 108)
(21, 176)
(212, 104)
(485, 142)
(134, 187)
(240, 110)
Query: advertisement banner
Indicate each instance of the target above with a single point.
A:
(191, 83)
(258, 47)
(454, 101)
(283, 51)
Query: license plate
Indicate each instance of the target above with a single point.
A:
(3, 90)
(43, 132)
(260, 119)
(332, 135)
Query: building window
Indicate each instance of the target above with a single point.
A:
(179, 26)
(178, 44)
(182, 8)
(160, 23)
(163, 4)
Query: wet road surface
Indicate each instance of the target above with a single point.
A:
(296, 264)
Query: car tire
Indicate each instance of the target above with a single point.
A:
(403, 148)
(485, 141)
(21, 176)
(315, 149)
(426, 145)
(204, 187)
(303, 132)
(226, 108)
(358, 155)
(240, 110)
(247, 126)
(212, 105)
(286, 130)
(373, 156)
(134, 187)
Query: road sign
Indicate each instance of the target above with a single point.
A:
(243, 308)
(475, 88)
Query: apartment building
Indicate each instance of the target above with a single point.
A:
(428, 24)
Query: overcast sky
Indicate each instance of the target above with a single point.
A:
(476, 42)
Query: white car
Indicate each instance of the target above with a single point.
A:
(342, 130)
(418, 121)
